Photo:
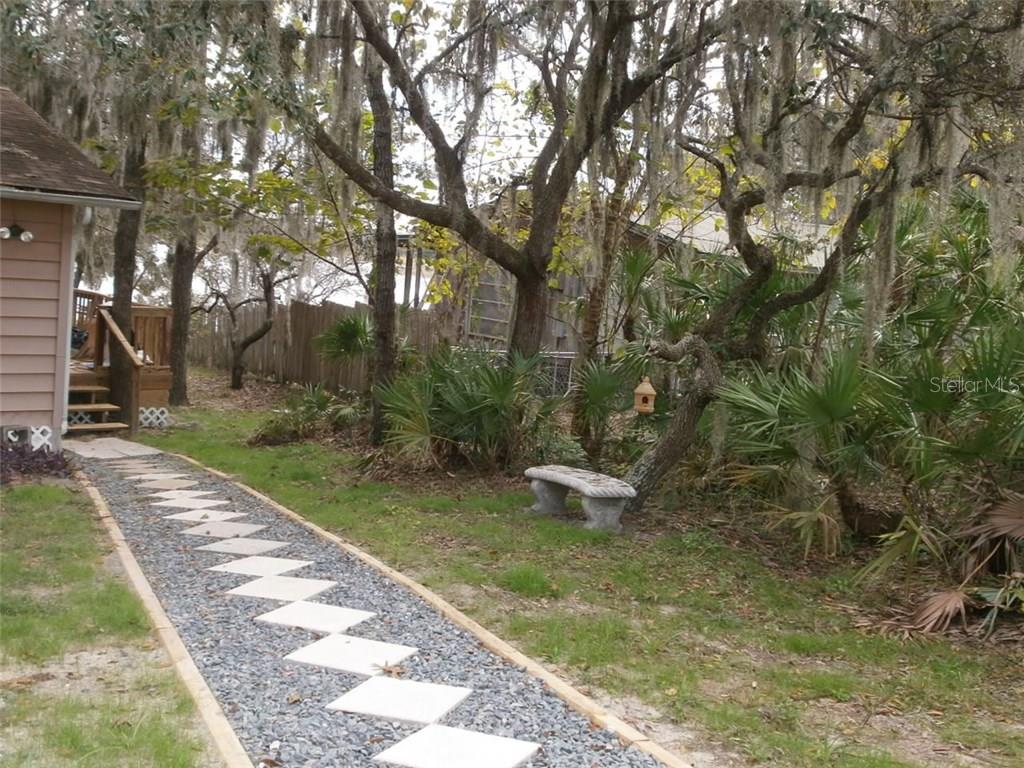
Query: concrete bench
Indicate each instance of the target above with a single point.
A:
(603, 496)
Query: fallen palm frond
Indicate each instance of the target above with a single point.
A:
(939, 610)
(998, 539)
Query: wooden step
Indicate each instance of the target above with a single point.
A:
(93, 407)
(103, 426)
(78, 389)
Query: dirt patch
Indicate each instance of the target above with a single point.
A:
(687, 742)
(108, 669)
(116, 670)
(908, 737)
(209, 389)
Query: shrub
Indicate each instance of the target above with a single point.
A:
(349, 337)
(21, 462)
(304, 415)
(470, 407)
(285, 426)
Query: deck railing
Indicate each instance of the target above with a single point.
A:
(150, 332)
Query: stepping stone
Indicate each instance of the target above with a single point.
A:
(352, 654)
(159, 476)
(126, 447)
(223, 530)
(243, 546)
(287, 588)
(205, 515)
(438, 746)
(136, 467)
(406, 700)
(109, 448)
(167, 485)
(261, 566)
(318, 617)
(189, 503)
(180, 494)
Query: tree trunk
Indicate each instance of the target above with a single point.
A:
(676, 441)
(386, 251)
(237, 367)
(589, 343)
(126, 237)
(646, 475)
(867, 515)
(239, 346)
(529, 317)
(182, 270)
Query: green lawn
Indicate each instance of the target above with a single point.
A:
(705, 632)
(62, 608)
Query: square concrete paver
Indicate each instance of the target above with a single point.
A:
(318, 617)
(406, 700)
(261, 566)
(243, 546)
(180, 494)
(190, 503)
(109, 448)
(205, 515)
(126, 447)
(158, 476)
(287, 588)
(352, 654)
(166, 485)
(223, 530)
(438, 746)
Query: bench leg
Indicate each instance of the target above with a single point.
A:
(603, 514)
(550, 497)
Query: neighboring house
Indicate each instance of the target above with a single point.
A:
(43, 177)
(484, 304)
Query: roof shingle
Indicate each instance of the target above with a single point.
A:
(34, 157)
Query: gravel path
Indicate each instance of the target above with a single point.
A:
(277, 707)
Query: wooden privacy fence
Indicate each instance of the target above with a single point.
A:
(288, 353)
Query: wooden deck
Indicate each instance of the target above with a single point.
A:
(154, 386)
(147, 344)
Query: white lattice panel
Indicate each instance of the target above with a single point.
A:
(41, 437)
(154, 417)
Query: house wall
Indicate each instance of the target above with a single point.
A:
(35, 316)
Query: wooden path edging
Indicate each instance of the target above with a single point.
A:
(586, 706)
(223, 735)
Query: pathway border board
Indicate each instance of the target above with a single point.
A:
(223, 735)
(586, 706)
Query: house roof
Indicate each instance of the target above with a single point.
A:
(38, 163)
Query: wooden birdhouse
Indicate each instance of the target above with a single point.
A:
(643, 396)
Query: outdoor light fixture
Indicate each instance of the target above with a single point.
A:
(6, 233)
(643, 397)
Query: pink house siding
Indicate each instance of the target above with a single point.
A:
(35, 302)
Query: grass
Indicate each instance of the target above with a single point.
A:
(55, 593)
(529, 581)
(706, 632)
(58, 599)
